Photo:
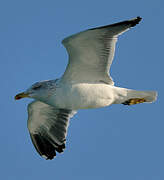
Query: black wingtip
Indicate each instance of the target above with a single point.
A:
(135, 21)
(45, 147)
(129, 23)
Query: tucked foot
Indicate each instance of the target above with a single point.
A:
(134, 101)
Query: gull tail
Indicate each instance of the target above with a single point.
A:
(136, 97)
(130, 97)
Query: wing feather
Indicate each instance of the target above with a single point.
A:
(91, 52)
(48, 128)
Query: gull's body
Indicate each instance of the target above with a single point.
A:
(82, 95)
(85, 84)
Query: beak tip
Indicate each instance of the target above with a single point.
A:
(17, 97)
(20, 96)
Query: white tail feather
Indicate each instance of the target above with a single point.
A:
(149, 96)
(124, 95)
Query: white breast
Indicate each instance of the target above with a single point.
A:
(82, 96)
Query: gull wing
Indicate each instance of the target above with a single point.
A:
(91, 52)
(48, 128)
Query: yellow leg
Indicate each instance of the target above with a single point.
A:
(134, 101)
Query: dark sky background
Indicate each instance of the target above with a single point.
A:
(116, 142)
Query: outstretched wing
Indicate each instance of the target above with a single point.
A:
(48, 128)
(91, 52)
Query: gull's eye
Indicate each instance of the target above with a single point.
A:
(37, 87)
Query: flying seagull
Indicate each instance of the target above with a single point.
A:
(86, 83)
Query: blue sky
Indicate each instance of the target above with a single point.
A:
(116, 142)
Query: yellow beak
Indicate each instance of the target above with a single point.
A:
(21, 95)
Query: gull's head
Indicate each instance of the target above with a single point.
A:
(39, 90)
